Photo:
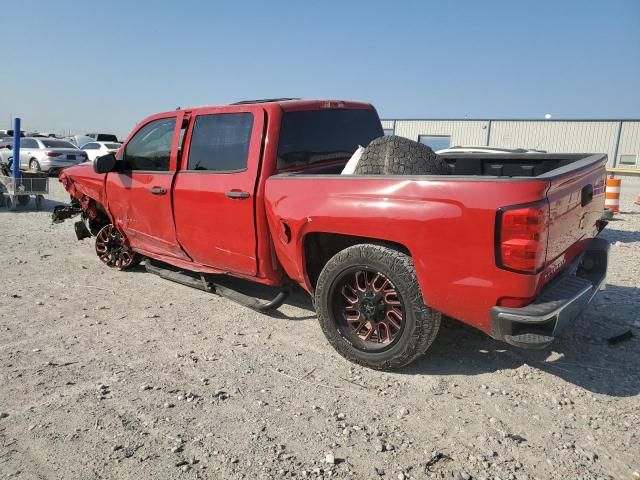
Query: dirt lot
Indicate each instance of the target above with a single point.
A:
(107, 374)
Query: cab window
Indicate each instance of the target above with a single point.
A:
(150, 147)
(220, 143)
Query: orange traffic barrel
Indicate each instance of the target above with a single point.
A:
(612, 194)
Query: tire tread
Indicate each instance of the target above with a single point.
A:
(394, 155)
(427, 320)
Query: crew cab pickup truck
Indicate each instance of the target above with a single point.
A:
(506, 243)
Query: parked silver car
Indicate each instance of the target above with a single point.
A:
(49, 154)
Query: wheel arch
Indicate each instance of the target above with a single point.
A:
(96, 215)
(320, 247)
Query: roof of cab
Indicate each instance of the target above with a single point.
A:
(290, 104)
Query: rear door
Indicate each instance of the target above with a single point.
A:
(214, 192)
(139, 197)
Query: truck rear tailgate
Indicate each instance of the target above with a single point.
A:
(576, 204)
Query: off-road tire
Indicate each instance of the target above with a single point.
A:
(421, 322)
(23, 200)
(112, 256)
(393, 155)
(39, 202)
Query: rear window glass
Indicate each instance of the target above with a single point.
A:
(105, 137)
(112, 146)
(220, 142)
(315, 136)
(57, 144)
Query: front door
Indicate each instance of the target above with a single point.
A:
(214, 191)
(139, 196)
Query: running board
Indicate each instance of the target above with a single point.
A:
(201, 283)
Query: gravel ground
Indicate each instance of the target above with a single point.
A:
(107, 374)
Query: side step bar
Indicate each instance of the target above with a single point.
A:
(201, 283)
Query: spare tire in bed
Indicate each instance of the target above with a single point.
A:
(393, 155)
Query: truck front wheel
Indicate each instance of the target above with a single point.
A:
(112, 249)
(371, 309)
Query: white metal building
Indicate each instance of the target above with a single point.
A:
(619, 139)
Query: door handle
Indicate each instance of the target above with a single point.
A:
(158, 190)
(237, 195)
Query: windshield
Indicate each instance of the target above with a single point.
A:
(315, 136)
(57, 144)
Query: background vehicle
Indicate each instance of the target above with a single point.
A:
(10, 133)
(79, 140)
(103, 137)
(48, 154)
(96, 149)
(200, 193)
(5, 150)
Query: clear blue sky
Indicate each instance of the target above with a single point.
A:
(106, 65)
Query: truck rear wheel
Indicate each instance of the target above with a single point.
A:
(394, 155)
(371, 309)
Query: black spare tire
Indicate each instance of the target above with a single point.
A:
(393, 155)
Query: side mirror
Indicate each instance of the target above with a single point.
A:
(9, 147)
(105, 163)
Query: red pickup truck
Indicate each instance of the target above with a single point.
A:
(503, 242)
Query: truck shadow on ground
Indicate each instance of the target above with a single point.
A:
(298, 297)
(582, 356)
(624, 236)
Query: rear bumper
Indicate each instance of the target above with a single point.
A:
(53, 165)
(559, 303)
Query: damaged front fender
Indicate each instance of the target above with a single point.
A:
(80, 186)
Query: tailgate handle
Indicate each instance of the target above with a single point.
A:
(587, 195)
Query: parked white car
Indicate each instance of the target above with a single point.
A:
(97, 149)
(48, 154)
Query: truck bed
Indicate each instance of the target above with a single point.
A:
(539, 165)
(446, 222)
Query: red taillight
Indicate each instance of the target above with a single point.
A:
(522, 237)
(53, 154)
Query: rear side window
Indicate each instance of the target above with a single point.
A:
(220, 143)
(28, 143)
(315, 136)
(150, 147)
(105, 137)
(57, 144)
